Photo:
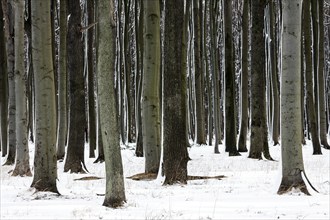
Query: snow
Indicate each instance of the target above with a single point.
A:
(247, 192)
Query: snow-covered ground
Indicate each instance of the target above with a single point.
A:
(247, 192)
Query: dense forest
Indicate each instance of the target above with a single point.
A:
(103, 74)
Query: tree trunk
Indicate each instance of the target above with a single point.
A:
(45, 168)
(309, 77)
(9, 32)
(200, 123)
(3, 88)
(229, 82)
(244, 80)
(292, 161)
(115, 190)
(150, 87)
(259, 131)
(175, 144)
(274, 77)
(139, 75)
(75, 150)
(62, 126)
(91, 82)
(320, 79)
(22, 165)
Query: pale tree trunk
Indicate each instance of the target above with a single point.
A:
(292, 160)
(9, 32)
(259, 131)
(62, 84)
(3, 88)
(320, 79)
(115, 190)
(150, 87)
(45, 168)
(22, 165)
(175, 144)
(244, 98)
(229, 82)
(200, 122)
(309, 77)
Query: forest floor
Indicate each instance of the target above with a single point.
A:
(247, 192)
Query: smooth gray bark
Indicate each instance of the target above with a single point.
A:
(150, 87)
(115, 189)
(45, 167)
(291, 154)
(22, 165)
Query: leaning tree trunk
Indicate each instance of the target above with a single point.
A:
(22, 165)
(76, 143)
(62, 126)
(45, 168)
(175, 144)
(115, 190)
(150, 87)
(292, 160)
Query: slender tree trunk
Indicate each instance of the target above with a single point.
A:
(244, 98)
(150, 87)
(115, 190)
(22, 165)
(320, 79)
(9, 32)
(274, 77)
(229, 82)
(62, 84)
(175, 144)
(76, 143)
(139, 75)
(215, 76)
(45, 168)
(91, 82)
(292, 160)
(309, 76)
(3, 88)
(200, 123)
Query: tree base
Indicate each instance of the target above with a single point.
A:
(114, 202)
(294, 181)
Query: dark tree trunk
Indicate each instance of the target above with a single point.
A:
(91, 82)
(229, 81)
(3, 88)
(75, 150)
(9, 33)
(175, 142)
(259, 131)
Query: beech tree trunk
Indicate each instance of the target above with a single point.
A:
(292, 160)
